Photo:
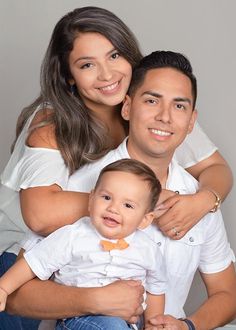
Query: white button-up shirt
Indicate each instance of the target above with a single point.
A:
(74, 255)
(204, 247)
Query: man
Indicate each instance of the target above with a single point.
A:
(161, 111)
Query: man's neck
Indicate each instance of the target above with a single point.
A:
(159, 164)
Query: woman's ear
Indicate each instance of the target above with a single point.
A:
(147, 220)
(125, 111)
(71, 82)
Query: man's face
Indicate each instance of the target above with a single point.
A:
(160, 114)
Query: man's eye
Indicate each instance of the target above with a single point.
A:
(129, 206)
(151, 101)
(180, 106)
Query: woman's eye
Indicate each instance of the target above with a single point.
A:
(86, 66)
(115, 55)
(129, 206)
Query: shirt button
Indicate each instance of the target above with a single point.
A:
(159, 243)
(191, 239)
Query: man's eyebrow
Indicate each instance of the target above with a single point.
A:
(155, 94)
(176, 99)
(183, 99)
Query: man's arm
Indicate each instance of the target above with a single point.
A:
(220, 307)
(50, 300)
(217, 310)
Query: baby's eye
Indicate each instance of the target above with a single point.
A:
(106, 197)
(129, 206)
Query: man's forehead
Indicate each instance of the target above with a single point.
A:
(166, 78)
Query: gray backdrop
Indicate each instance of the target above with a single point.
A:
(204, 30)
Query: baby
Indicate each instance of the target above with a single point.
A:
(105, 247)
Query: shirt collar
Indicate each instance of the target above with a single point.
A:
(128, 239)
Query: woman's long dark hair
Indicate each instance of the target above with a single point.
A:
(80, 136)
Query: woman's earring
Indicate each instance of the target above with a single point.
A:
(73, 89)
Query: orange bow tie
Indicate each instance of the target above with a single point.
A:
(121, 244)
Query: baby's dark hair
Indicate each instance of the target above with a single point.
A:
(140, 169)
(163, 59)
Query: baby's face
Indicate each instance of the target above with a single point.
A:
(119, 205)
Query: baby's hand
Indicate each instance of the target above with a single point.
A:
(3, 299)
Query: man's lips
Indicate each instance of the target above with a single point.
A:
(160, 132)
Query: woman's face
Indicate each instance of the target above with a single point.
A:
(101, 75)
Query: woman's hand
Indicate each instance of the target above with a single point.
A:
(177, 214)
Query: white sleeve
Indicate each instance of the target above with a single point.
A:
(52, 253)
(196, 147)
(216, 254)
(30, 240)
(38, 167)
(156, 278)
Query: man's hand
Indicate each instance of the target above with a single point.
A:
(166, 322)
(121, 298)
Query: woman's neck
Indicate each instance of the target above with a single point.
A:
(112, 120)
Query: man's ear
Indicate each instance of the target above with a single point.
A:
(90, 199)
(125, 111)
(147, 220)
(192, 121)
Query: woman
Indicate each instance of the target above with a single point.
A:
(85, 76)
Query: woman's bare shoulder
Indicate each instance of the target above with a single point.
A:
(42, 136)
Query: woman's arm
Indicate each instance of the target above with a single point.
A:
(213, 173)
(182, 212)
(46, 208)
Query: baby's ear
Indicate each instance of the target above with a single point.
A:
(147, 220)
(90, 199)
(125, 111)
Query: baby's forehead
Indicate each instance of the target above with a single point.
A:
(121, 177)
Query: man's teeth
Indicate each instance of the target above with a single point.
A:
(110, 87)
(161, 133)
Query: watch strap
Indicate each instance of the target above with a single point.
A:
(189, 323)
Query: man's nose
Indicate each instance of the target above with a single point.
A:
(163, 113)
